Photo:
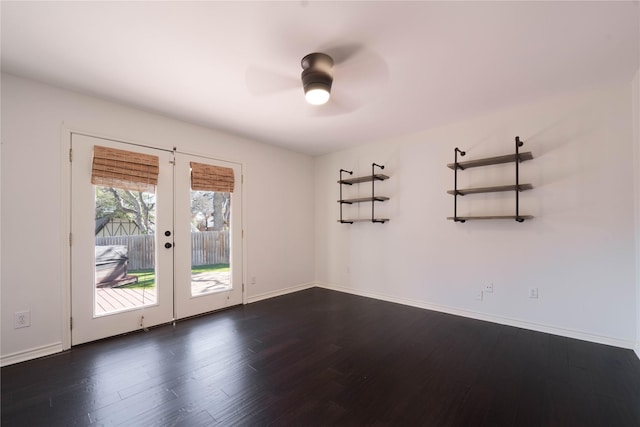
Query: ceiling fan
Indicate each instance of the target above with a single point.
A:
(359, 75)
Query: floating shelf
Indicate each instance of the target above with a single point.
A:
(368, 178)
(509, 158)
(466, 218)
(463, 191)
(515, 158)
(373, 199)
(364, 199)
(351, 221)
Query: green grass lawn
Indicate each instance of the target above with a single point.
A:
(147, 278)
(206, 268)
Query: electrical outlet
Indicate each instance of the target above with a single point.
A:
(533, 293)
(479, 296)
(489, 288)
(21, 319)
(253, 280)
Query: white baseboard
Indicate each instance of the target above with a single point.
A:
(280, 292)
(554, 330)
(34, 353)
(637, 349)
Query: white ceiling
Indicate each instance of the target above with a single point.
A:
(401, 67)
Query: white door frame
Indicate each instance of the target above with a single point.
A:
(66, 131)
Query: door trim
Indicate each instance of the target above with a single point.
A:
(65, 229)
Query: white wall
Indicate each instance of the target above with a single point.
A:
(278, 209)
(579, 250)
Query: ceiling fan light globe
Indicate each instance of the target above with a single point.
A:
(317, 95)
(317, 77)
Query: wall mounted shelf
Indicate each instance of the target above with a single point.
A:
(373, 199)
(515, 158)
(467, 218)
(464, 191)
(361, 179)
(509, 158)
(364, 199)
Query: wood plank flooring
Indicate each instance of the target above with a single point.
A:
(319, 357)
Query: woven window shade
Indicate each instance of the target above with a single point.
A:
(127, 170)
(211, 178)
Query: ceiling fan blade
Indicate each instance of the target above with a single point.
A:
(358, 81)
(337, 106)
(344, 52)
(262, 82)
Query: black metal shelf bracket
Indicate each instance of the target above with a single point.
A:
(517, 162)
(341, 200)
(373, 192)
(455, 184)
(515, 158)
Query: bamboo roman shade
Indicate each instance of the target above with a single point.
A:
(123, 169)
(211, 178)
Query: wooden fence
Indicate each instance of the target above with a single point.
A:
(207, 247)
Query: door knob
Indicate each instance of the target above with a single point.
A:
(168, 245)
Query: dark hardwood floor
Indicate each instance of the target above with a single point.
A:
(319, 357)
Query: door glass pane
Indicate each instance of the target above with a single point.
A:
(210, 243)
(124, 250)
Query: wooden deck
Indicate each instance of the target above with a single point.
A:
(109, 300)
(209, 281)
(115, 299)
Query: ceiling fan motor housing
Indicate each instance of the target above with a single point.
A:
(317, 72)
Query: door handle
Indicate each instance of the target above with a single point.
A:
(168, 245)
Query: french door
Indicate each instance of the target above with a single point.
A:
(208, 241)
(144, 258)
